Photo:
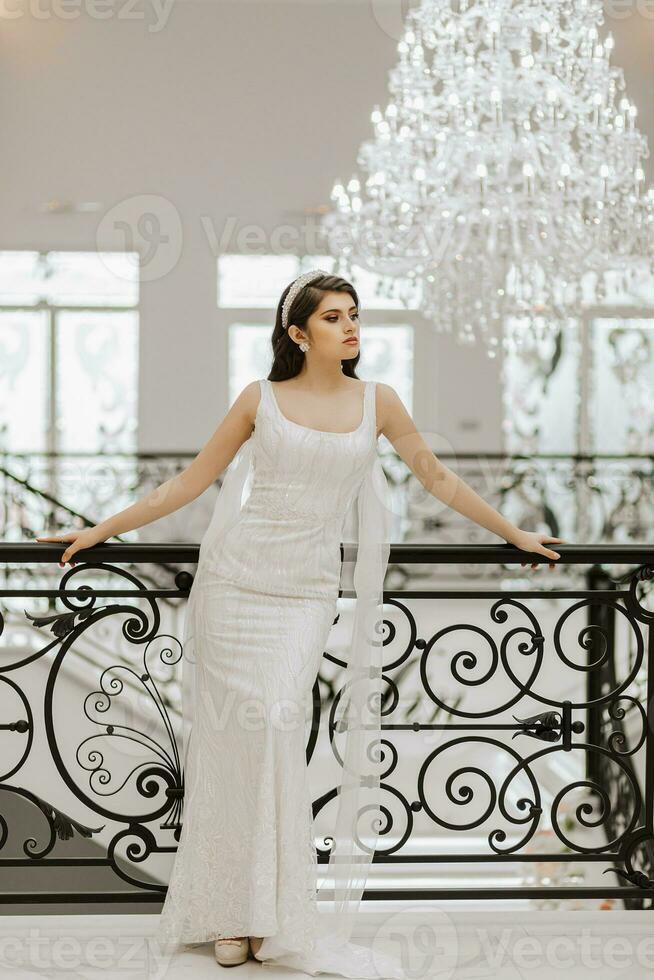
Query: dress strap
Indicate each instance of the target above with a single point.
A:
(265, 406)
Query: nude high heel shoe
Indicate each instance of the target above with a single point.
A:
(255, 945)
(231, 952)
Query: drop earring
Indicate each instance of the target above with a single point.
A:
(304, 346)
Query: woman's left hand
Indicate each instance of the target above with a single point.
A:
(78, 540)
(534, 541)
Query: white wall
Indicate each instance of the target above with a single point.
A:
(232, 112)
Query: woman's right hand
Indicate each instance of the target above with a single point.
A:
(86, 538)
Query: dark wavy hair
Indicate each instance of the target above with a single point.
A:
(287, 356)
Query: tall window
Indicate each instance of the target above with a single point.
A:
(591, 390)
(68, 351)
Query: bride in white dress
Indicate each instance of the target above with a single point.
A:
(301, 446)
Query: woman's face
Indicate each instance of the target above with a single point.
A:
(335, 320)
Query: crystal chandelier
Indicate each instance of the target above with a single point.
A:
(505, 167)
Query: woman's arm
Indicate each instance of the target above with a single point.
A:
(213, 458)
(439, 480)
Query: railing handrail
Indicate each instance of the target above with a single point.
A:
(442, 454)
(30, 552)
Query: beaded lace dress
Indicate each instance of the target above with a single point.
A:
(259, 613)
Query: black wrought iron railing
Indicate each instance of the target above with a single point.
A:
(538, 697)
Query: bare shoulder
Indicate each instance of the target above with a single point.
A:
(385, 391)
(247, 401)
(387, 399)
(392, 415)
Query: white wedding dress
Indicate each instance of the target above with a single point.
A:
(259, 614)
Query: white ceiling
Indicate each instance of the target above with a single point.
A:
(249, 109)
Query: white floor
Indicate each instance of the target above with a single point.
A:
(437, 940)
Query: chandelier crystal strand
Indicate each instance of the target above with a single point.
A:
(506, 165)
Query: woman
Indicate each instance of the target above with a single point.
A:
(259, 613)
